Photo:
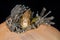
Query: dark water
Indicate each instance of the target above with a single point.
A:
(35, 5)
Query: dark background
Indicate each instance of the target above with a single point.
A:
(36, 5)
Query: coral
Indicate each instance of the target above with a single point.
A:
(21, 20)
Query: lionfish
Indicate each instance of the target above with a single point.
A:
(21, 19)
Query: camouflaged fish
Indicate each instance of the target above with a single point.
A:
(21, 19)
